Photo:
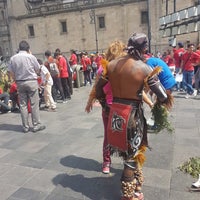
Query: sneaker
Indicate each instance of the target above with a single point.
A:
(39, 128)
(106, 168)
(26, 130)
(52, 110)
(187, 96)
(64, 101)
(194, 93)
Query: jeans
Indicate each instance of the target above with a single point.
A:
(187, 81)
(87, 77)
(57, 86)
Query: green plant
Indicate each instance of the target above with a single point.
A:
(160, 114)
(192, 167)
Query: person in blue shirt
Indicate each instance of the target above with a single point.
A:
(165, 76)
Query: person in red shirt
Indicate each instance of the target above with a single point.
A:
(177, 55)
(73, 60)
(98, 60)
(57, 86)
(177, 59)
(169, 60)
(197, 71)
(188, 60)
(62, 66)
(86, 63)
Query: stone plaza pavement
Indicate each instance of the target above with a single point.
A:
(63, 162)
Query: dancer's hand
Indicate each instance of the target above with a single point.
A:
(89, 107)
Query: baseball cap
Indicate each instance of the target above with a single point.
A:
(180, 44)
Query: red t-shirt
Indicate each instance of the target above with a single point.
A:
(177, 56)
(98, 61)
(85, 61)
(169, 60)
(1, 91)
(189, 59)
(13, 88)
(62, 65)
(73, 59)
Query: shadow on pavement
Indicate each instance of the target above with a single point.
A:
(102, 187)
(11, 127)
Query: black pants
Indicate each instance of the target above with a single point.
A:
(57, 86)
(69, 82)
(65, 86)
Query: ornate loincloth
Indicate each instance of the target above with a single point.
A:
(127, 129)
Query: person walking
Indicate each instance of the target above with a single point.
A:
(188, 60)
(115, 49)
(127, 129)
(24, 68)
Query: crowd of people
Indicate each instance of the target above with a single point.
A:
(55, 78)
(124, 75)
(184, 63)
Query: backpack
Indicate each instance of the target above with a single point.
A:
(53, 68)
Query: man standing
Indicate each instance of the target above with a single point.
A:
(188, 60)
(23, 69)
(127, 129)
(64, 75)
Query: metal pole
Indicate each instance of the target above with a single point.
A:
(93, 21)
(149, 25)
(174, 42)
(95, 29)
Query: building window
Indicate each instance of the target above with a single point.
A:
(144, 17)
(101, 22)
(63, 26)
(31, 31)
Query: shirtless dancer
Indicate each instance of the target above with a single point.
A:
(127, 130)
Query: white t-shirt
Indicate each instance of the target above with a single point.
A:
(44, 72)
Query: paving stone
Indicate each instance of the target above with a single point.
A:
(18, 175)
(64, 161)
(7, 190)
(42, 181)
(28, 194)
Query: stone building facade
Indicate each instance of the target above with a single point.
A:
(70, 24)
